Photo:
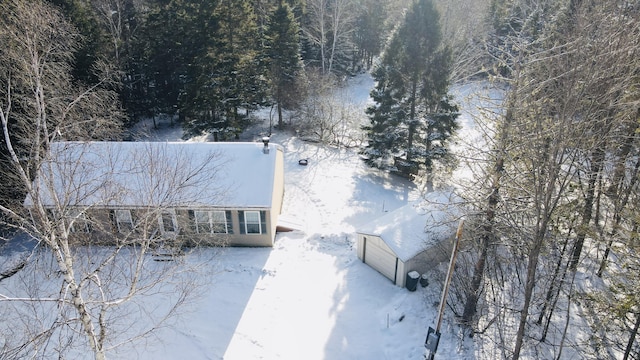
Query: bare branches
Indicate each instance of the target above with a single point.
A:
(70, 298)
(572, 145)
(328, 115)
(330, 26)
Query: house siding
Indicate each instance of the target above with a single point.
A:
(401, 273)
(104, 230)
(277, 197)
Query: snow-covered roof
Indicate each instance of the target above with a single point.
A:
(417, 226)
(131, 174)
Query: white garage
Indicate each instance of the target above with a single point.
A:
(413, 237)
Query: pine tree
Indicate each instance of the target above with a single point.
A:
(411, 98)
(172, 42)
(247, 70)
(370, 30)
(94, 42)
(384, 132)
(227, 74)
(283, 54)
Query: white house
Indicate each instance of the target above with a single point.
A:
(414, 237)
(189, 192)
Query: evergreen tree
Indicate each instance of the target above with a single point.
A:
(172, 41)
(370, 30)
(283, 53)
(227, 74)
(413, 117)
(205, 63)
(94, 42)
(513, 19)
(40, 90)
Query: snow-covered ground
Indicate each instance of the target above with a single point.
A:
(309, 297)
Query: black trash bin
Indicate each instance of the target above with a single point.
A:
(411, 282)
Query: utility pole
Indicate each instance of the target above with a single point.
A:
(433, 335)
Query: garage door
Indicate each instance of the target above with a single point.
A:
(379, 256)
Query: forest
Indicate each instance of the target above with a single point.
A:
(552, 216)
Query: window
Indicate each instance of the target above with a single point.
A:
(203, 225)
(79, 221)
(124, 220)
(168, 221)
(212, 222)
(252, 222)
(219, 222)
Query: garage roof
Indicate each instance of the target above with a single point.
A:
(418, 226)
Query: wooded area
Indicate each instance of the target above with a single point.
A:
(556, 216)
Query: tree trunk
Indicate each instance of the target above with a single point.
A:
(617, 216)
(473, 295)
(597, 158)
(487, 231)
(530, 283)
(412, 117)
(65, 263)
(632, 338)
(567, 317)
(471, 303)
(556, 272)
(555, 297)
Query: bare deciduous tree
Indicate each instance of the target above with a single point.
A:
(464, 30)
(330, 25)
(328, 115)
(560, 187)
(73, 296)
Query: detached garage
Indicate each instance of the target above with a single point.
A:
(411, 238)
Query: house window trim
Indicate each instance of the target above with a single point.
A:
(246, 223)
(119, 222)
(174, 221)
(79, 218)
(213, 224)
(210, 226)
(201, 224)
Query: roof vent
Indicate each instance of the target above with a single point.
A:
(265, 141)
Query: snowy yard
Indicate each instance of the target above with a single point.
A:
(310, 297)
